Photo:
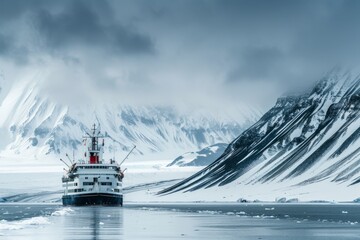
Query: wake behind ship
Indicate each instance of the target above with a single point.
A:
(93, 181)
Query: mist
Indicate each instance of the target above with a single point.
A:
(193, 54)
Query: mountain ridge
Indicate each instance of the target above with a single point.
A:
(38, 126)
(202, 157)
(301, 140)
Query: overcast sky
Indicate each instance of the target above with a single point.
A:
(197, 53)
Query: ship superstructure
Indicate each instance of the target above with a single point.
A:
(92, 180)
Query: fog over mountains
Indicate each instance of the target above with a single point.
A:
(38, 127)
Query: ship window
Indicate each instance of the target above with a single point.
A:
(106, 183)
(75, 184)
(76, 190)
(107, 177)
(88, 183)
(86, 177)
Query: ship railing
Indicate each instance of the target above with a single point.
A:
(67, 179)
(90, 149)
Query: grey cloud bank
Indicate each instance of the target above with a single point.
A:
(197, 53)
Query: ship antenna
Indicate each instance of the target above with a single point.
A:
(67, 155)
(97, 119)
(65, 163)
(114, 147)
(87, 133)
(128, 155)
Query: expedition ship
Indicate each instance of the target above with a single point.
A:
(93, 181)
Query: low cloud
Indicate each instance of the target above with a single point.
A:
(195, 53)
(257, 64)
(9, 49)
(81, 24)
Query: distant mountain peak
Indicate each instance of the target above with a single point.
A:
(39, 127)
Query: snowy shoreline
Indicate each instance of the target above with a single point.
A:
(143, 180)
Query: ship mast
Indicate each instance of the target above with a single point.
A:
(94, 150)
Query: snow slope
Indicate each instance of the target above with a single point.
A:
(39, 128)
(200, 158)
(306, 144)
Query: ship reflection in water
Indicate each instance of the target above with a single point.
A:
(93, 223)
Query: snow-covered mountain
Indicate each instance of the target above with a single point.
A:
(39, 127)
(304, 140)
(200, 158)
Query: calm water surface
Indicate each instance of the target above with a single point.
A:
(181, 221)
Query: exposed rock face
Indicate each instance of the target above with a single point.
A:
(302, 139)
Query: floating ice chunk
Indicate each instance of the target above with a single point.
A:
(344, 212)
(241, 213)
(208, 212)
(5, 225)
(269, 209)
(15, 225)
(62, 212)
(35, 221)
